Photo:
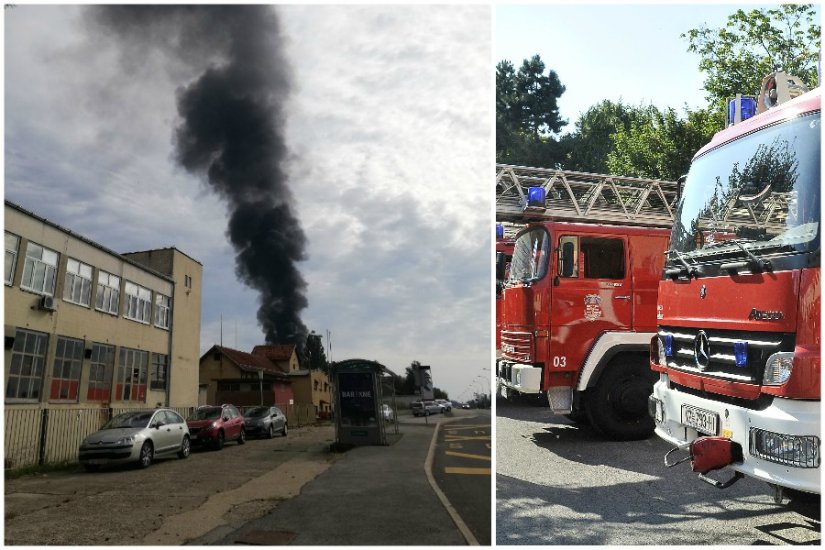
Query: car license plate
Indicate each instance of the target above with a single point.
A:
(701, 420)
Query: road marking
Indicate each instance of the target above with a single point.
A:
(467, 455)
(468, 471)
(466, 427)
(452, 438)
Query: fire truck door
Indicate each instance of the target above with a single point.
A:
(591, 294)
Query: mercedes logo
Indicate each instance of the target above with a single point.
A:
(701, 350)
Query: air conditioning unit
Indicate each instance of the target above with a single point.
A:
(46, 303)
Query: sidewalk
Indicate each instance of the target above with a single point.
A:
(372, 495)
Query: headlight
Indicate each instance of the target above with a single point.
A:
(778, 368)
(801, 451)
(128, 440)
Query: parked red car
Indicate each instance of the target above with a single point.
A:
(215, 424)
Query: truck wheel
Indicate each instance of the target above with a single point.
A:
(578, 417)
(617, 405)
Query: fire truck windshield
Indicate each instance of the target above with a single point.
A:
(754, 197)
(530, 256)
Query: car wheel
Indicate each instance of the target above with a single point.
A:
(270, 432)
(283, 432)
(242, 437)
(185, 447)
(219, 441)
(146, 454)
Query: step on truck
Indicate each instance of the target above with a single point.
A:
(738, 346)
(578, 307)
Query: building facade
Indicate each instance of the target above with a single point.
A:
(231, 376)
(86, 325)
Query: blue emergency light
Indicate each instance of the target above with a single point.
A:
(536, 196)
(740, 353)
(747, 108)
(667, 341)
(499, 231)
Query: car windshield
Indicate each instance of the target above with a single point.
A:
(129, 420)
(211, 413)
(530, 256)
(256, 412)
(757, 195)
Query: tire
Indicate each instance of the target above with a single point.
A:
(617, 405)
(185, 447)
(578, 417)
(147, 452)
(242, 437)
(270, 433)
(219, 441)
(284, 431)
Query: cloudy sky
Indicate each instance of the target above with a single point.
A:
(388, 130)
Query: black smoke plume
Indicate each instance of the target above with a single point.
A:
(231, 132)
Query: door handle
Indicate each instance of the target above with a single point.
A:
(621, 297)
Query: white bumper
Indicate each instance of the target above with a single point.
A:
(523, 379)
(784, 416)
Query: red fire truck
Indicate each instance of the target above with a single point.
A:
(738, 345)
(579, 305)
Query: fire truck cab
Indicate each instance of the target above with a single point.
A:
(578, 308)
(738, 345)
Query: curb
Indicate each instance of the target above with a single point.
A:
(428, 466)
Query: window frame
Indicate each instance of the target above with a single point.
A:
(113, 296)
(138, 306)
(72, 278)
(163, 312)
(132, 367)
(159, 377)
(102, 361)
(67, 367)
(49, 270)
(37, 351)
(11, 265)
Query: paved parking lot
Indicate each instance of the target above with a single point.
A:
(559, 483)
(169, 503)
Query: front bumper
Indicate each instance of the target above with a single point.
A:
(520, 378)
(784, 416)
(109, 454)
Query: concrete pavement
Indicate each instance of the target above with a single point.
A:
(374, 495)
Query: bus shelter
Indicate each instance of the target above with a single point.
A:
(358, 397)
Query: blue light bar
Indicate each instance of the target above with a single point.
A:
(536, 196)
(747, 108)
(740, 352)
(668, 343)
(499, 231)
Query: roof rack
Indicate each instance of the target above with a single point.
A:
(582, 197)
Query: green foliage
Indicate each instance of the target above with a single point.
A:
(753, 44)
(527, 113)
(316, 358)
(660, 144)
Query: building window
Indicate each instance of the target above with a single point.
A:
(40, 269)
(187, 281)
(28, 357)
(138, 303)
(108, 292)
(78, 286)
(100, 373)
(12, 246)
(131, 375)
(160, 371)
(68, 360)
(162, 306)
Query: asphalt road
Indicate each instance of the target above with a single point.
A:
(462, 469)
(561, 484)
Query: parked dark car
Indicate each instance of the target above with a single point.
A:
(265, 421)
(214, 425)
(136, 437)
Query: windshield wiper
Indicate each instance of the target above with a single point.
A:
(687, 269)
(754, 262)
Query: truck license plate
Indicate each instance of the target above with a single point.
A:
(701, 420)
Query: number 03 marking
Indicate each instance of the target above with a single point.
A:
(560, 361)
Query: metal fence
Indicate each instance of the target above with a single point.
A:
(34, 435)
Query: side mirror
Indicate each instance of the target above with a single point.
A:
(157, 425)
(226, 419)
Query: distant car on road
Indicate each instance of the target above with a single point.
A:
(265, 421)
(425, 408)
(465, 406)
(386, 412)
(215, 424)
(136, 436)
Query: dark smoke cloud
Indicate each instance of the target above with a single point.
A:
(232, 133)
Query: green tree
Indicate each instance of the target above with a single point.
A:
(527, 113)
(753, 44)
(316, 358)
(660, 144)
